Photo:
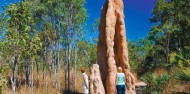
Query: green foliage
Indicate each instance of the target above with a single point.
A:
(3, 80)
(178, 60)
(155, 84)
(1, 24)
(168, 37)
(134, 55)
(40, 30)
(91, 50)
(183, 75)
(139, 56)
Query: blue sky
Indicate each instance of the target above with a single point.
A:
(137, 13)
(6, 2)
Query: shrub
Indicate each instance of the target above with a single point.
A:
(155, 84)
(3, 80)
(183, 75)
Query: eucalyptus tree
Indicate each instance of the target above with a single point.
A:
(52, 17)
(74, 17)
(22, 40)
(46, 18)
(63, 19)
(44, 26)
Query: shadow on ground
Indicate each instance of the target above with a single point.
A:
(69, 92)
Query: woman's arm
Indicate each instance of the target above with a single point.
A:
(116, 79)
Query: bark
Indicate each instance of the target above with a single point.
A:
(66, 55)
(58, 57)
(27, 72)
(69, 61)
(32, 76)
(54, 54)
(38, 72)
(87, 56)
(53, 64)
(13, 77)
(58, 71)
(75, 61)
(65, 68)
(45, 66)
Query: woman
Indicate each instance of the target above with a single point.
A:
(120, 81)
(84, 80)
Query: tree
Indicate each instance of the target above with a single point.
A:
(22, 39)
(75, 15)
(170, 32)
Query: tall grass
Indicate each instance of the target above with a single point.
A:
(39, 86)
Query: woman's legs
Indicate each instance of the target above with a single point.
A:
(120, 89)
(123, 89)
(85, 89)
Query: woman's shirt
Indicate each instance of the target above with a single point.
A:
(120, 79)
(83, 82)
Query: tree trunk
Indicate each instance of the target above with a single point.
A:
(65, 68)
(57, 64)
(27, 72)
(53, 64)
(58, 71)
(13, 77)
(69, 61)
(87, 56)
(38, 72)
(32, 76)
(45, 66)
(58, 54)
(75, 61)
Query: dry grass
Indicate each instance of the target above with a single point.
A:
(178, 86)
(40, 86)
(160, 71)
(174, 86)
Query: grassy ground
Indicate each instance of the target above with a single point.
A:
(40, 87)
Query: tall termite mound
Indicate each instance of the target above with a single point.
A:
(112, 48)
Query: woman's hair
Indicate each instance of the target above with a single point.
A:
(82, 69)
(119, 69)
